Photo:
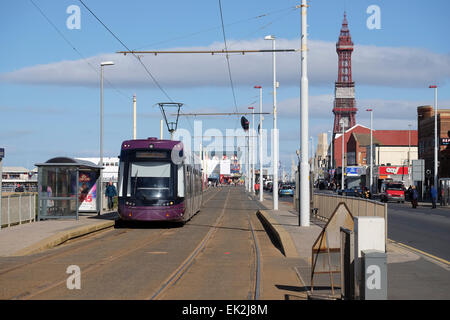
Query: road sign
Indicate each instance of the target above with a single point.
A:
(2, 153)
(418, 170)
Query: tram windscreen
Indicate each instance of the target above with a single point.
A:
(150, 180)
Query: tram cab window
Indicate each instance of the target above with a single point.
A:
(150, 180)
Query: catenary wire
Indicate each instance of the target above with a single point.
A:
(228, 62)
(214, 28)
(155, 81)
(76, 50)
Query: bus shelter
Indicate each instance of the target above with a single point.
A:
(67, 187)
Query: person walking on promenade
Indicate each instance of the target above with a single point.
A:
(433, 193)
(414, 197)
(110, 192)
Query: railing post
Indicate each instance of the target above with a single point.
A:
(385, 227)
(20, 209)
(9, 216)
(29, 197)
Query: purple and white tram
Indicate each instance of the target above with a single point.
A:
(158, 181)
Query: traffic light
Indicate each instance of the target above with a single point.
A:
(244, 123)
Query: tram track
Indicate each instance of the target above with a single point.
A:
(187, 263)
(132, 247)
(257, 255)
(77, 247)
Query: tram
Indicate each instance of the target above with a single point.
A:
(158, 181)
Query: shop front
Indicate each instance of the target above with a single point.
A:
(385, 174)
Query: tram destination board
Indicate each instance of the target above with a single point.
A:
(152, 154)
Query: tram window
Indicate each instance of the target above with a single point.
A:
(149, 180)
(180, 191)
(120, 185)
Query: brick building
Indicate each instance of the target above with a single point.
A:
(391, 147)
(337, 144)
(425, 120)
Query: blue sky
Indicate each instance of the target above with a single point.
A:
(49, 95)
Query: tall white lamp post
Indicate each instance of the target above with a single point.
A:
(371, 147)
(252, 152)
(342, 123)
(275, 130)
(304, 195)
(435, 136)
(261, 182)
(100, 188)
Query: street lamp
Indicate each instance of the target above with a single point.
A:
(435, 136)
(330, 164)
(342, 123)
(304, 194)
(275, 132)
(409, 153)
(252, 152)
(371, 145)
(312, 161)
(261, 197)
(100, 194)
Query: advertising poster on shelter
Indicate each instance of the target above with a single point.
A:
(87, 191)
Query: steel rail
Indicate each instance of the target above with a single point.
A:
(188, 262)
(92, 267)
(72, 250)
(258, 264)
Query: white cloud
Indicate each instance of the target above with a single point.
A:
(380, 66)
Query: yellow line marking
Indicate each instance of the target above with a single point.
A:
(422, 252)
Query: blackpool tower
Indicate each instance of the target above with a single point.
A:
(344, 91)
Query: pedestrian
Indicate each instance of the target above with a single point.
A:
(409, 192)
(256, 188)
(414, 197)
(433, 193)
(110, 192)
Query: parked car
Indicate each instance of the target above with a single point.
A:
(393, 192)
(286, 190)
(355, 192)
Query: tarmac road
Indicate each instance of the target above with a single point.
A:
(137, 260)
(423, 228)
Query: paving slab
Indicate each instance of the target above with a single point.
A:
(37, 236)
(411, 275)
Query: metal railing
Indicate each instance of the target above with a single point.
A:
(18, 208)
(325, 204)
(359, 207)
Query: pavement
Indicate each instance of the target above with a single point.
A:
(412, 274)
(34, 237)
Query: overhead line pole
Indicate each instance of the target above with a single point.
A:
(304, 208)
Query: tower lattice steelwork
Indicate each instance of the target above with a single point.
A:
(344, 92)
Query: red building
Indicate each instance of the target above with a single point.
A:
(337, 147)
(358, 142)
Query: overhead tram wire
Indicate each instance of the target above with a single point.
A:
(217, 27)
(76, 50)
(293, 9)
(228, 62)
(124, 45)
